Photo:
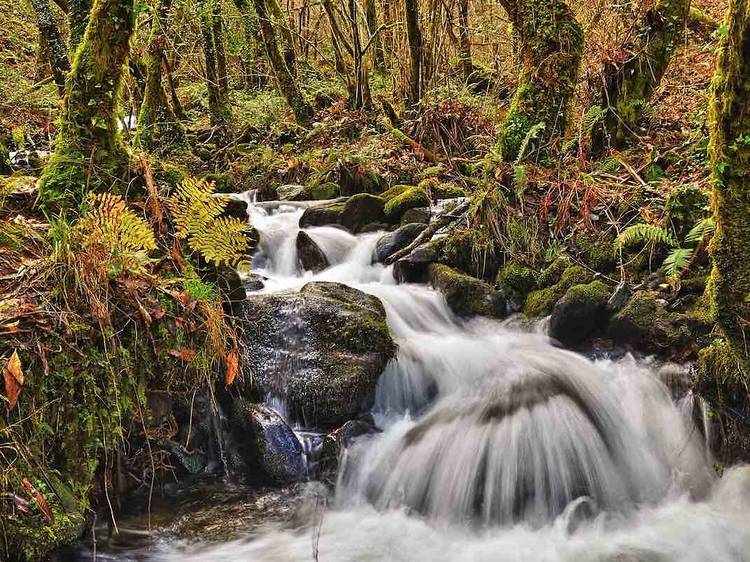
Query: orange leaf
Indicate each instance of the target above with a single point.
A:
(40, 500)
(184, 298)
(13, 376)
(184, 354)
(233, 360)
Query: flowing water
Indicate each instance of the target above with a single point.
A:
(496, 445)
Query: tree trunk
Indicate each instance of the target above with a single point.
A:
(216, 102)
(628, 87)
(303, 113)
(78, 19)
(414, 36)
(253, 40)
(550, 45)
(377, 42)
(158, 125)
(217, 24)
(287, 39)
(464, 43)
(729, 284)
(53, 42)
(89, 152)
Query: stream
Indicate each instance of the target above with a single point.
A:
(495, 445)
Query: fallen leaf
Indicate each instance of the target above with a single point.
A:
(233, 360)
(184, 354)
(40, 500)
(145, 316)
(13, 376)
(184, 298)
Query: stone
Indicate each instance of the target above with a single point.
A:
(416, 215)
(579, 313)
(309, 255)
(290, 192)
(361, 210)
(466, 295)
(322, 215)
(413, 267)
(397, 240)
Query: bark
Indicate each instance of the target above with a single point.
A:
(377, 42)
(53, 42)
(217, 106)
(550, 45)
(629, 87)
(287, 39)
(78, 19)
(288, 87)
(89, 152)
(414, 35)
(464, 40)
(217, 23)
(253, 40)
(729, 284)
(158, 125)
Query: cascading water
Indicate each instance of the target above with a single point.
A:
(496, 444)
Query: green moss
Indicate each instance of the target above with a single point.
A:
(685, 206)
(322, 192)
(394, 191)
(466, 295)
(409, 199)
(542, 301)
(554, 271)
(599, 254)
(516, 281)
(595, 292)
(439, 190)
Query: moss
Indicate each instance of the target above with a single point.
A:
(409, 199)
(438, 190)
(685, 206)
(554, 271)
(542, 301)
(322, 192)
(599, 254)
(361, 210)
(466, 295)
(516, 281)
(594, 292)
(395, 191)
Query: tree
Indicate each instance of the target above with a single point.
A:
(729, 286)
(217, 102)
(629, 86)
(157, 122)
(374, 33)
(253, 41)
(550, 46)
(464, 40)
(286, 83)
(89, 152)
(414, 36)
(78, 19)
(53, 42)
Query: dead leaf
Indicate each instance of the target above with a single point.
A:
(159, 313)
(184, 354)
(233, 360)
(13, 375)
(184, 298)
(40, 500)
(145, 316)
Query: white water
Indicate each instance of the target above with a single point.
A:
(499, 446)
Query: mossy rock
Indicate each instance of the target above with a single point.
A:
(322, 192)
(599, 255)
(322, 215)
(409, 199)
(554, 271)
(395, 191)
(685, 206)
(516, 281)
(438, 190)
(579, 313)
(419, 215)
(645, 323)
(542, 301)
(464, 250)
(466, 295)
(397, 240)
(361, 210)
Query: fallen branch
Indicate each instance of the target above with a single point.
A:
(403, 137)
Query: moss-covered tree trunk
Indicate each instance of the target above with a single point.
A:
(158, 125)
(285, 33)
(222, 75)
(89, 152)
(217, 106)
(286, 83)
(371, 13)
(253, 41)
(629, 86)
(50, 36)
(550, 45)
(78, 19)
(729, 287)
(464, 40)
(416, 60)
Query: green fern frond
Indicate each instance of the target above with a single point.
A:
(530, 136)
(520, 180)
(644, 233)
(701, 230)
(590, 119)
(677, 260)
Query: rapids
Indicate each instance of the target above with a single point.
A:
(496, 444)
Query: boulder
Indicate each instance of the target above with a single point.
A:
(542, 301)
(413, 267)
(361, 210)
(322, 192)
(254, 282)
(466, 295)
(322, 349)
(417, 215)
(516, 281)
(409, 199)
(579, 313)
(646, 324)
(290, 192)
(397, 240)
(309, 255)
(322, 215)
(260, 439)
(236, 208)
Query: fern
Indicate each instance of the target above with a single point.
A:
(677, 260)
(530, 136)
(701, 230)
(644, 233)
(520, 180)
(591, 118)
(197, 216)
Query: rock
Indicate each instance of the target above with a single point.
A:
(397, 240)
(461, 252)
(194, 462)
(322, 215)
(413, 268)
(419, 215)
(467, 296)
(360, 210)
(374, 227)
(290, 192)
(542, 301)
(619, 297)
(579, 313)
(409, 199)
(261, 439)
(646, 324)
(516, 281)
(322, 349)
(309, 255)
(437, 190)
(236, 208)
(255, 282)
(322, 192)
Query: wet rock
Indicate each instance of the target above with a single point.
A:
(411, 198)
(322, 192)
(361, 210)
(309, 254)
(619, 297)
(261, 439)
(322, 215)
(374, 227)
(646, 324)
(413, 268)
(397, 240)
(516, 281)
(416, 215)
(580, 312)
(254, 282)
(542, 301)
(322, 349)
(290, 192)
(236, 208)
(194, 462)
(466, 295)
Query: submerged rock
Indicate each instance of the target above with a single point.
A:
(580, 312)
(309, 254)
(397, 240)
(262, 440)
(466, 295)
(322, 349)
